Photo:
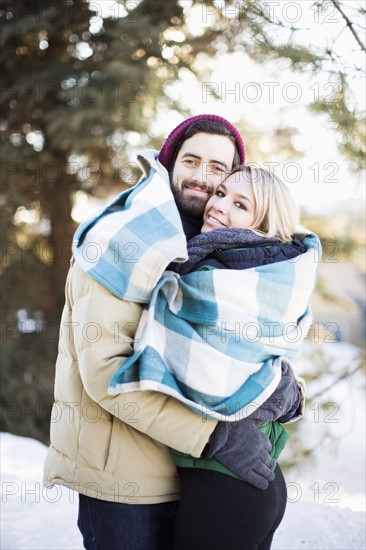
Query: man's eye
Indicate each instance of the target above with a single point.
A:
(216, 169)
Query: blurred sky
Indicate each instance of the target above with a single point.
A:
(321, 179)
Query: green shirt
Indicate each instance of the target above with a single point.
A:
(275, 432)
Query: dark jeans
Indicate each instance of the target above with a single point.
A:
(116, 526)
(219, 512)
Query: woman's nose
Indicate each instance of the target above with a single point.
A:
(220, 205)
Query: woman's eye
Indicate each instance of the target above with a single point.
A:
(220, 193)
(189, 162)
(240, 205)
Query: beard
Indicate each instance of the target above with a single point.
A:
(188, 205)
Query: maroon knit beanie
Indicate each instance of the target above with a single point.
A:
(167, 151)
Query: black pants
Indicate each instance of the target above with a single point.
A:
(219, 512)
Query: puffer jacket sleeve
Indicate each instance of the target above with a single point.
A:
(103, 330)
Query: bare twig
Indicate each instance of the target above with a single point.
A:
(349, 24)
(343, 376)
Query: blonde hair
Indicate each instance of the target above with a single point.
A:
(277, 214)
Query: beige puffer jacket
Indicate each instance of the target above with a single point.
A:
(114, 448)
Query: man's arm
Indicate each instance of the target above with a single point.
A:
(161, 417)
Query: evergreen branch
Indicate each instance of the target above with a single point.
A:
(261, 13)
(349, 24)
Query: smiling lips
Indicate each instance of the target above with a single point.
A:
(198, 188)
(211, 220)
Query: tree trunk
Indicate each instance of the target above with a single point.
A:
(56, 204)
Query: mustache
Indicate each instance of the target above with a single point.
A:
(208, 188)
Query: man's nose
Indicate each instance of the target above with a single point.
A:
(199, 175)
(202, 173)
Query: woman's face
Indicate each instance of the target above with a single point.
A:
(233, 204)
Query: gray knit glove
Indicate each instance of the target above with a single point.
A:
(285, 402)
(244, 449)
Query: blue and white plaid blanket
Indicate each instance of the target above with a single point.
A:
(215, 339)
(127, 246)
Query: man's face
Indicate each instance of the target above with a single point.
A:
(203, 162)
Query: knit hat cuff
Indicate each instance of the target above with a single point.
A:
(167, 151)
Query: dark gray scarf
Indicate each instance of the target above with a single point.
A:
(204, 244)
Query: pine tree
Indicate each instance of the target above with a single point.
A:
(77, 88)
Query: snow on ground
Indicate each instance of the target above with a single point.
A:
(31, 515)
(326, 498)
(37, 518)
(335, 475)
